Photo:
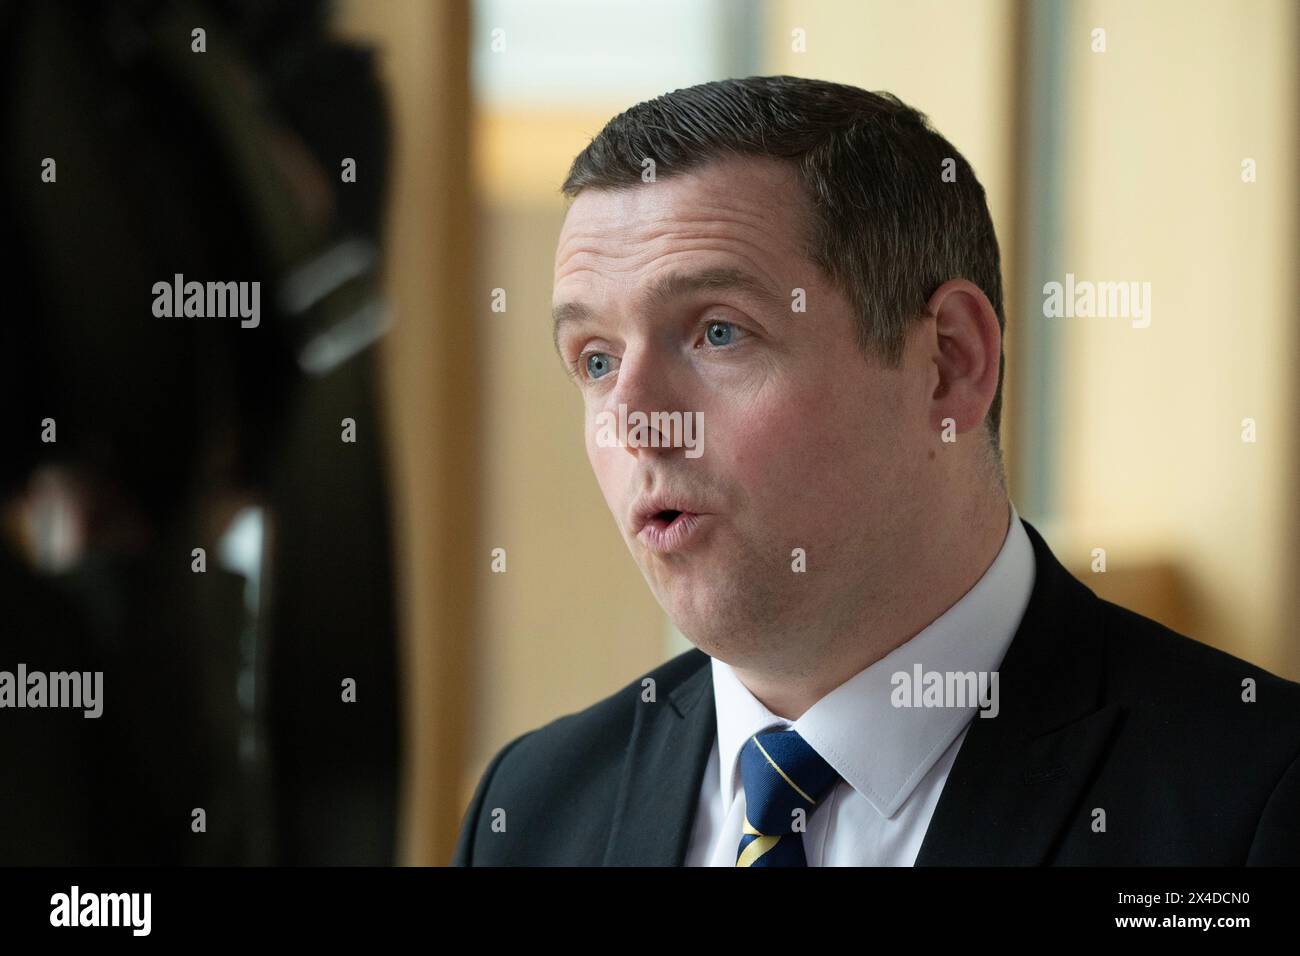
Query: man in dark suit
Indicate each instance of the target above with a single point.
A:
(891, 667)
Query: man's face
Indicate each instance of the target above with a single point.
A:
(807, 443)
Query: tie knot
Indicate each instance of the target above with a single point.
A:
(781, 773)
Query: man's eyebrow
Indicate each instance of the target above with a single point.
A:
(677, 285)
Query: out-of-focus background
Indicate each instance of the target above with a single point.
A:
(1150, 142)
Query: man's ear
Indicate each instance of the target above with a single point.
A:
(967, 349)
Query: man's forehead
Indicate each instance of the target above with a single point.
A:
(681, 283)
(619, 241)
(759, 192)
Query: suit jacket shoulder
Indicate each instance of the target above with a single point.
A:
(1121, 742)
(1191, 683)
(553, 790)
(1210, 745)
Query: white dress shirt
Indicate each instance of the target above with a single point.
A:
(893, 760)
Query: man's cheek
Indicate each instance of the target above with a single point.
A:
(597, 453)
(610, 466)
(783, 441)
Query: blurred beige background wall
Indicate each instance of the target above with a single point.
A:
(1153, 467)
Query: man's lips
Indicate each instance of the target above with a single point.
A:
(665, 521)
(671, 531)
(661, 509)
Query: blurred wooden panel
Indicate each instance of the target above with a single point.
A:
(431, 405)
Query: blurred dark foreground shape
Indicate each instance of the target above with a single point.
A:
(222, 690)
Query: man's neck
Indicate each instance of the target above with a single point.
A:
(966, 553)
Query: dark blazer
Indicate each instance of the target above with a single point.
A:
(1100, 708)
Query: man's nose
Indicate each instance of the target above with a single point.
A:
(647, 383)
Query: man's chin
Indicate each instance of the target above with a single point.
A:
(724, 643)
(727, 618)
(711, 625)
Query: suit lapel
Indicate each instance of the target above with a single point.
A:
(1015, 783)
(671, 740)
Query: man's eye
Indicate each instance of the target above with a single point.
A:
(722, 333)
(598, 364)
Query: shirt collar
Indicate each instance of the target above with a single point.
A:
(886, 763)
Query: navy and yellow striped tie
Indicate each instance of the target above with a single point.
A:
(781, 773)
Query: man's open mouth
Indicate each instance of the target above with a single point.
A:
(664, 521)
(669, 529)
